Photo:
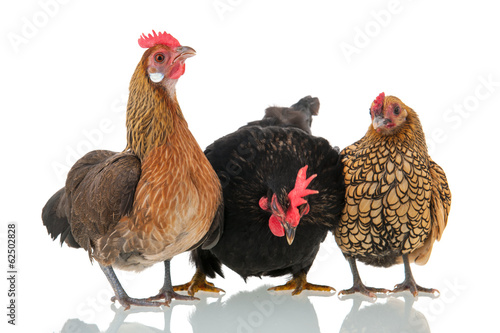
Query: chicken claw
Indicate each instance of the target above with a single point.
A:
(127, 301)
(120, 295)
(414, 288)
(410, 284)
(169, 295)
(357, 284)
(299, 283)
(167, 291)
(363, 290)
(198, 283)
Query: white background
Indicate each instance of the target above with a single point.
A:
(65, 69)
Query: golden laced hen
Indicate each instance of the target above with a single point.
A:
(397, 197)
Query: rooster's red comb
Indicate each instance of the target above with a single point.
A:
(379, 101)
(160, 38)
(300, 190)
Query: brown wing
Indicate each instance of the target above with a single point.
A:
(441, 199)
(440, 209)
(100, 190)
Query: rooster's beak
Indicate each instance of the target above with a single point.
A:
(289, 233)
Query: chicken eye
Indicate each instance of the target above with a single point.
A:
(396, 110)
(159, 57)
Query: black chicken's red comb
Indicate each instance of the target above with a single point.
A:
(160, 38)
(300, 190)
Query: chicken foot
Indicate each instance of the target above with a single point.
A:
(298, 283)
(198, 283)
(167, 291)
(409, 282)
(120, 294)
(358, 286)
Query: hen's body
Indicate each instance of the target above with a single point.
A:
(397, 198)
(388, 198)
(157, 199)
(173, 207)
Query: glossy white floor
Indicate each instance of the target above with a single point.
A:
(66, 67)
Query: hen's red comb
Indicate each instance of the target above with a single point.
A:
(300, 190)
(160, 38)
(379, 101)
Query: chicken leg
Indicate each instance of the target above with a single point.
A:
(298, 283)
(198, 283)
(358, 285)
(409, 282)
(167, 292)
(120, 294)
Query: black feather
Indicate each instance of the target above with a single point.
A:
(207, 262)
(55, 219)
(298, 115)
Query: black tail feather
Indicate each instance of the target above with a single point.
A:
(206, 262)
(55, 219)
(298, 115)
(307, 104)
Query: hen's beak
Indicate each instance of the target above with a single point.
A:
(379, 121)
(184, 52)
(289, 233)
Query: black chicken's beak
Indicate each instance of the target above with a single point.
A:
(289, 233)
(184, 52)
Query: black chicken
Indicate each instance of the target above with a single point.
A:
(278, 180)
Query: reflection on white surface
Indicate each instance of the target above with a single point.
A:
(262, 311)
(118, 323)
(256, 311)
(391, 316)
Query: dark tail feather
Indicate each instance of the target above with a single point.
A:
(307, 104)
(206, 262)
(55, 218)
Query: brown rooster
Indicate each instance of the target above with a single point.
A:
(397, 197)
(156, 199)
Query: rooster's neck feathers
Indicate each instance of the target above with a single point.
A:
(152, 114)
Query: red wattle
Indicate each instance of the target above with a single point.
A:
(177, 71)
(276, 227)
(264, 204)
